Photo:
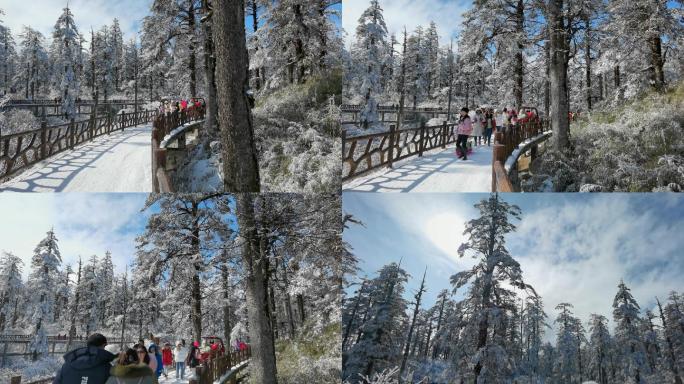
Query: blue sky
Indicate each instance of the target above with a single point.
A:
(399, 13)
(84, 223)
(572, 247)
(42, 14)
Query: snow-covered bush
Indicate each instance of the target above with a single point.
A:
(315, 360)
(297, 135)
(16, 121)
(30, 370)
(639, 148)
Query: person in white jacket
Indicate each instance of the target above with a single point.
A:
(180, 353)
(478, 128)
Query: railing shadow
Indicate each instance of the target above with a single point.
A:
(410, 175)
(55, 174)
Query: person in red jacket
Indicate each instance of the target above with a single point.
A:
(167, 359)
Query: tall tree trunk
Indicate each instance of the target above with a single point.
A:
(263, 365)
(210, 125)
(196, 290)
(616, 76)
(657, 62)
(240, 165)
(416, 308)
(519, 59)
(558, 76)
(192, 62)
(587, 59)
(254, 11)
(670, 348)
(226, 303)
(402, 84)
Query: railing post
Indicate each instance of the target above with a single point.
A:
(390, 153)
(444, 134)
(72, 134)
(122, 121)
(15, 380)
(43, 139)
(421, 147)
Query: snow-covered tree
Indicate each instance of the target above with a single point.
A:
(64, 54)
(33, 63)
(371, 33)
(378, 346)
(11, 289)
(486, 239)
(42, 282)
(628, 342)
(600, 349)
(8, 58)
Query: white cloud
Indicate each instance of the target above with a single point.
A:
(42, 14)
(572, 248)
(409, 13)
(85, 224)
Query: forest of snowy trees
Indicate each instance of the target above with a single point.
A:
(502, 56)
(275, 127)
(496, 332)
(618, 63)
(260, 268)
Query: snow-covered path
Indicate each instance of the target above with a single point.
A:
(437, 171)
(120, 162)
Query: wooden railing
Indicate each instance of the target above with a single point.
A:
(162, 126)
(362, 154)
(19, 151)
(505, 143)
(227, 365)
(389, 113)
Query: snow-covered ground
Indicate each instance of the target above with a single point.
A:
(437, 171)
(120, 162)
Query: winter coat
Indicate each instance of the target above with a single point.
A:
(167, 356)
(153, 362)
(179, 355)
(160, 365)
(465, 127)
(132, 374)
(87, 364)
(193, 357)
(504, 119)
(478, 129)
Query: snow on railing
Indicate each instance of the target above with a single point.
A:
(168, 127)
(514, 141)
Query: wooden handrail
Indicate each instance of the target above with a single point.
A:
(18, 151)
(505, 144)
(165, 124)
(365, 153)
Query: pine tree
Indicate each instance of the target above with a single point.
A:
(8, 58)
(41, 283)
(376, 347)
(33, 62)
(629, 344)
(486, 239)
(11, 288)
(600, 347)
(64, 55)
(371, 33)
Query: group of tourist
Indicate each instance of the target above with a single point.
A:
(180, 105)
(143, 363)
(481, 124)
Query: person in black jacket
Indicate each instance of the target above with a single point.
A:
(87, 365)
